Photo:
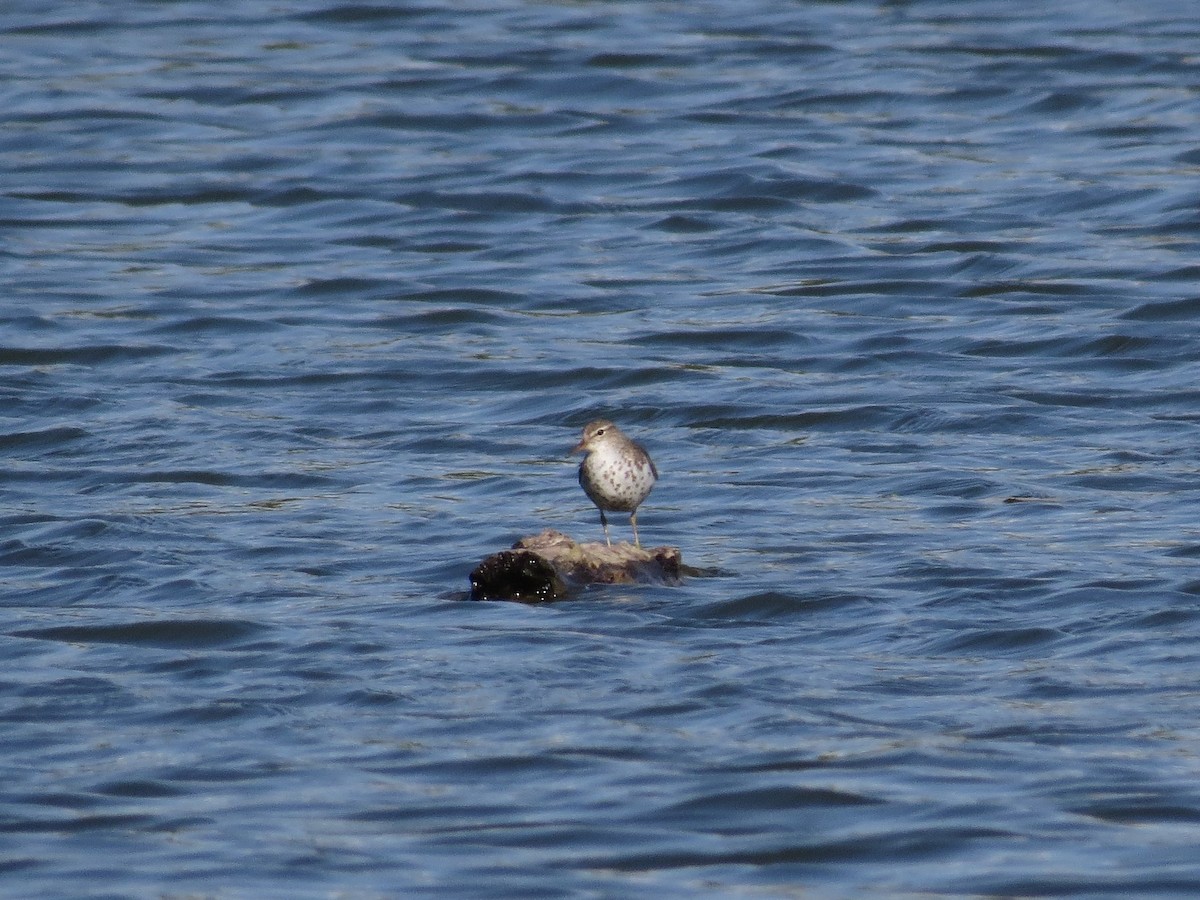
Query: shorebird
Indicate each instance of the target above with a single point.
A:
(616, 473)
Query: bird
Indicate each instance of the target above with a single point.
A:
(617, 473)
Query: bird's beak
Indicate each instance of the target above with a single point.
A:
(576, 449)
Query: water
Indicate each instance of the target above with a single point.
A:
(304, 304)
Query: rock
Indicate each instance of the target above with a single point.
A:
(551, 566)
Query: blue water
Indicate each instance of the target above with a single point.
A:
(304, 304)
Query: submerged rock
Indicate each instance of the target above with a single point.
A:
(552, 566)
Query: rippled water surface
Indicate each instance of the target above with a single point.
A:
(304, 303)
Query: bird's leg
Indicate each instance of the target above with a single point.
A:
(633, 521)
(604, 523)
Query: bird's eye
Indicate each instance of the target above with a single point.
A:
(599, 431)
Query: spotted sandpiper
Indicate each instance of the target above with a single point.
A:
(616, 473)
